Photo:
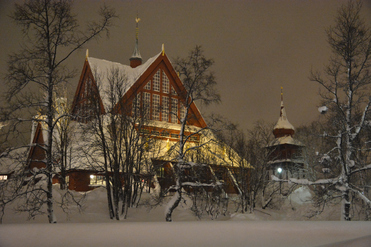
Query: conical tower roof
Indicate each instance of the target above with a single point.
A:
(283, 126)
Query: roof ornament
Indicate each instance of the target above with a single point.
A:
(136, 58)
(163, 49)
(137, 20)
(87, 54)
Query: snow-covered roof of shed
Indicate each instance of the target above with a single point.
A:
(101, 69)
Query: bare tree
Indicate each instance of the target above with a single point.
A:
(199, 84)
(235, 144)
(121, 138)
(52, 34)
(249, 154)
(346, 87)
(258, 155)
(63, 140)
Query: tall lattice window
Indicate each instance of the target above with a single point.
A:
(146, 103)
(135, 110)
(173, 92)
(156, 82)
(148, 86)
(174, 110)
(165, 83)
(182, 110)
(155, 107)
(165, 108)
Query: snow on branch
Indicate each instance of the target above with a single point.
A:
(306, 181)
(363, 197)
(362, 122)
(361, 169)
(197, 184)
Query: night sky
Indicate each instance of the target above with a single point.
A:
(258, 46)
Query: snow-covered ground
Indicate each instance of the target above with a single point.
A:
(146, 226)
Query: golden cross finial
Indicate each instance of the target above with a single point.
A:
(137, 20)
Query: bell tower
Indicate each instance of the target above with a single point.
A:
(285, 153)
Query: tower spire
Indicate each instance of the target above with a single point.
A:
(136, 58)
(283, 126)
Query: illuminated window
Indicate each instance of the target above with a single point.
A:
(160, 172)
(148, 86)
(156, 107)
(174, 110)
(165, 83)
(156, 82)
(165, 108)
(144, 131)
(97, 180)
(165, 134)
(3, 177)
(176, 136)
(155, 133)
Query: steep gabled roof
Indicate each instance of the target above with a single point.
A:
(36, 153)
(135, 79)
(102, 68)
(151, 67)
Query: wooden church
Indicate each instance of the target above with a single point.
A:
(285, 153)
(156, 85)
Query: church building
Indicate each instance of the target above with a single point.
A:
(285, 153)
(152, 89)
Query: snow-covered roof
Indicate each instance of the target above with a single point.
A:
(297, 161)
(283, 122)
(285, 140)
(101, 70)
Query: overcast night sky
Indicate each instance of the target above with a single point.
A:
(258, 46)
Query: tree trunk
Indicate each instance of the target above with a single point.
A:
(173, 204)
(346, 206)
(109, 196)
(49, 154)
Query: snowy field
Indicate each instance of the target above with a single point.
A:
(146, 227)
(218, 233)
